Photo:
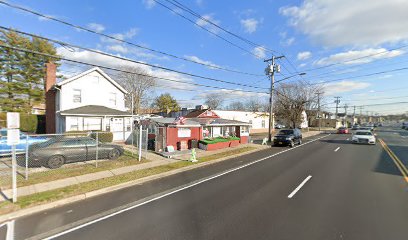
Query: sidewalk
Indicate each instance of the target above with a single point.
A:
(154, 161)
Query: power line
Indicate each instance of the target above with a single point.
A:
(189, 10)
(358, 58)
(360, 76)
(122, 40)
(127, 59)
(207, 30)
(115, 69)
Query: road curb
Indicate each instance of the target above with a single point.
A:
(83, 196)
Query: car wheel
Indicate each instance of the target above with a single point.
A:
(55, 161)
(291, 144)
(114, 154)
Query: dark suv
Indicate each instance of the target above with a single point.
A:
(288, 137)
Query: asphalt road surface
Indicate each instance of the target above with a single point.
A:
(325, 189)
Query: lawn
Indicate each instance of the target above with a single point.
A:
(72, 170)
(53, 195)
(218, 139)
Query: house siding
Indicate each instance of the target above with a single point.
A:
(95, 90)
(172, 135)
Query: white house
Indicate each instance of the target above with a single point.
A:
(258, 120)
(92, 101)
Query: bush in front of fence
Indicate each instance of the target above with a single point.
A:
(105, 137)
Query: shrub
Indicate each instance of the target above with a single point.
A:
(105, 137)
(218, 139)
(28, 123)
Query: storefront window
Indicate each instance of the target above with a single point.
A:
(184, 132)
(244, 130)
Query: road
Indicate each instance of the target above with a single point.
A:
(325, 189)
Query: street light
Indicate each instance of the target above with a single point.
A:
(286, 78)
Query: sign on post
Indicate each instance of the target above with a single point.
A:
(13, 120)
(13, 138)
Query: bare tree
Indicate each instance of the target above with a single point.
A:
(292, 100)
(236, 106)
(138, 85)
(214, 100)
(253, 104)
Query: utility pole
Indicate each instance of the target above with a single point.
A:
(270, 71)
(337, 101)
(354, 114)
(318, 109)
(345, 114)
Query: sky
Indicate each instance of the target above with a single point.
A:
(329, 40)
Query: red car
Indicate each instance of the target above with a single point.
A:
(342, 130)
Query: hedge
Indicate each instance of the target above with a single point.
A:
(28, 122)
(218, 139)
(105, 137)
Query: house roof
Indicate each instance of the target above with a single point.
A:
(94, 110)
(89, 71)
(198, 113)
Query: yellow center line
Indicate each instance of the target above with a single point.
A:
(396, 160)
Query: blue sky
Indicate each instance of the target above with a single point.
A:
(311, 34)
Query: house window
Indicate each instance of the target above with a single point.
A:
(216, 132)
(244, 130)
(74, 126)
(112, 99)
(183, 132)
(92, 124)
(263, 123)
(206, 132)
(77, 98)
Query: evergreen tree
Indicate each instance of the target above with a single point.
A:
(22, 74)
(166, 103)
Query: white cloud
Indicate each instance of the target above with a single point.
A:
(344, 86)
(236, 93)
(304, 55)
(203, 22)
(350, 22)
(118, 48)
(97, 27)
(41, 19)
(302, 65)
(250, 25)
(129, 34)
(374, 54)
(199, 60)
(102, 60)
(289, 41)
(259, 51)
(149, 4)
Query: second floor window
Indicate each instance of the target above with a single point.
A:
(77, 98)
(112, 99)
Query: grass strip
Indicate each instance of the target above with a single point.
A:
(73, 170)
(60, 193)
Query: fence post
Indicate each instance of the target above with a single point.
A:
(97, 149)
(26, 159)
(146, 141)
(14, 172)
(132, 133)
(140, 142)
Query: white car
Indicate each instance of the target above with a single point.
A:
(364, 136)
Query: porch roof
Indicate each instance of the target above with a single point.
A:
(95, 110)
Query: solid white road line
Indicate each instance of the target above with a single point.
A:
(299, 187)
(337, 149)
(187, 186)
(10, 230)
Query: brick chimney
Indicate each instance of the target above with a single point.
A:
(50, 81)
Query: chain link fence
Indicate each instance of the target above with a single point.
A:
(49, 157)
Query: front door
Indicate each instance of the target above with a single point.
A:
(117, 129)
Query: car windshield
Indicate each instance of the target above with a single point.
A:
(364, 133)
(285, 132)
